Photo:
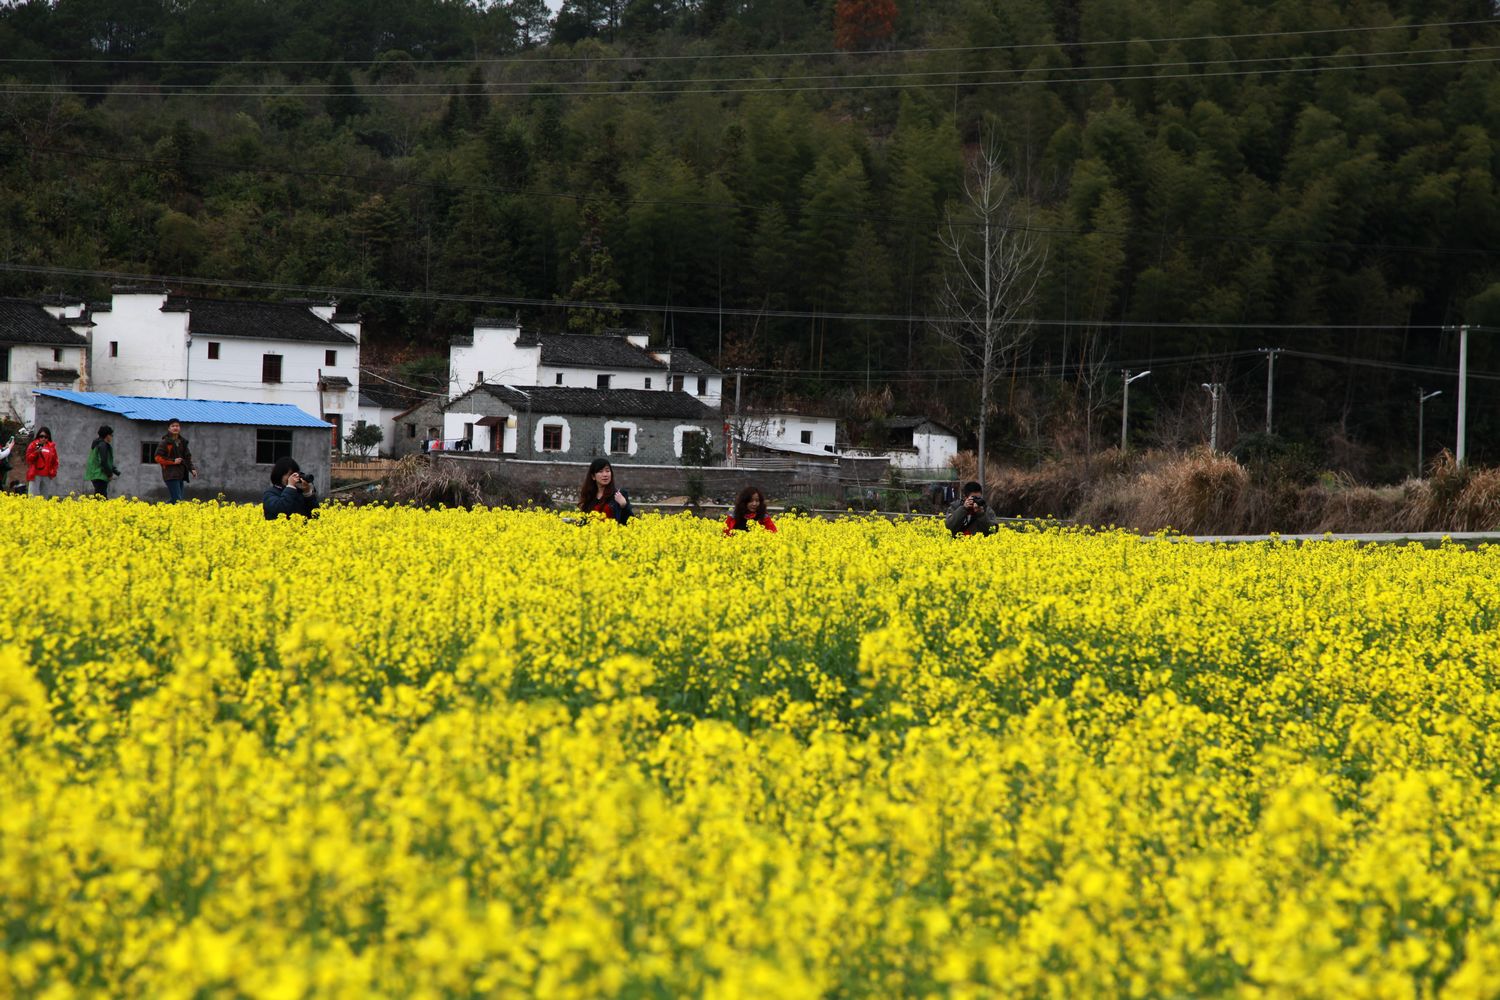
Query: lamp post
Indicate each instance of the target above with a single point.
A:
(1213, 389)
(1422, 397)
(1125, 408)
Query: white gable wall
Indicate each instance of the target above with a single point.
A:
(138, 350)
(493, 357)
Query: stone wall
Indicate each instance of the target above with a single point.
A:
(670, 480)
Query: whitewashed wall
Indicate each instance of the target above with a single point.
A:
(151, 348)
(16, 400)
(138, 350)
(493, 357)
(771, 429)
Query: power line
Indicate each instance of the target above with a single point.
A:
(727, 56)
(509, 87)
(125, 277)
(94, 90)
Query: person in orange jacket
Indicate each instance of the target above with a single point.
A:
(749, 506)
(175, 459)
(41, 464)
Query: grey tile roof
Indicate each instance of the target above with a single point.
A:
(373, 392)
(600, 402)
(26, 322)
(256, 320)
(683, 361)
(577, 350)
(912, 423)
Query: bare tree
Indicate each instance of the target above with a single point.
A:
(994, 265)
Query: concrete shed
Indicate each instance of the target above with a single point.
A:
(234, 444)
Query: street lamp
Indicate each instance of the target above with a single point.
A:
(1214, 388)
(1422, 397)
(1125, 406)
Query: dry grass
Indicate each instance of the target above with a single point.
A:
(1199, 492)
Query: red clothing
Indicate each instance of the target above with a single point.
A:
(41, 460)
(764, 522)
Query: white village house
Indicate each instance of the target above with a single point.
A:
(919, 444)
(499, 352)
(38, 350)
(790, 431)
(150, 343)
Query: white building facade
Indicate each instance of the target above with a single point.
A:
(785, 430)
(499, 352)
(39, 349)
(306, 355)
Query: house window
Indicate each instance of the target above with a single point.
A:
(148, 452)
(676, 383)
(272, 443)
(559, 379)
(693, 443)
(552, 437)
(604, 381)
(4, 364)
(411, 431)
(619, 440)
(702, 386)
(807, 437)
(114, 348)
(213, 350)
(57, 355)
(270, 368)
(331, 358)
(648, 381)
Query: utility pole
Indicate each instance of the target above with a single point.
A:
(1422, 397)
(734, 432)
(1270, 353)
(1463, 392)
(1214, 388)
(1125, 408)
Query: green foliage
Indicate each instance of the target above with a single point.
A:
(1363, 198)
(364, 439)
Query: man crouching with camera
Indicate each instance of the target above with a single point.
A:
(291, 492)
(969, 516)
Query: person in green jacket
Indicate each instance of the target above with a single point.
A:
(101, 464)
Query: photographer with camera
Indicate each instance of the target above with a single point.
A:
(969, 516)
(291, 492)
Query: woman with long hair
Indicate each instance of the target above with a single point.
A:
(749, 506)
(41, 464)
(602, 495)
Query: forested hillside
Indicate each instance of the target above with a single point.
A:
(763, 182)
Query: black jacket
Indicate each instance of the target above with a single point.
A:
(284, 501)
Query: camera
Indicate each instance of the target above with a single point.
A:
(977, 500)
(306, 478)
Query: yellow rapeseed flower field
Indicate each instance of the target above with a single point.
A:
(400, 753)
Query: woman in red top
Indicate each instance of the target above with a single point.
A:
(602, 495)
(749, 506)
(41, 464)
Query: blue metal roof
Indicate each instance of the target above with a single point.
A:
(158, 410)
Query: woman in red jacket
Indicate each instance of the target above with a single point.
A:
(749, 506)
(41, 464)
